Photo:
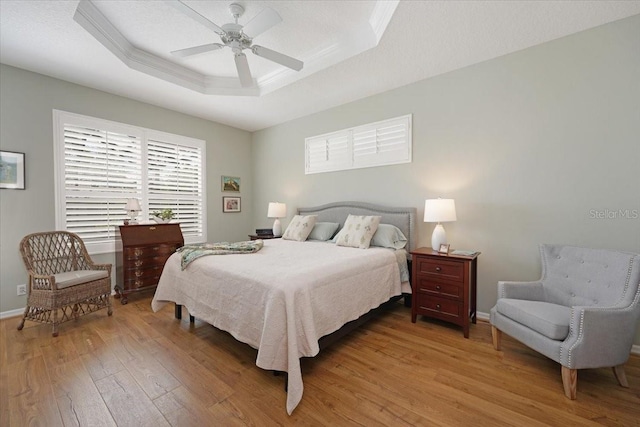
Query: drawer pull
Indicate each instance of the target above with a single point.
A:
(438, 269)
(438, 287)
(438, 306)
(152, 228)
(138, 263)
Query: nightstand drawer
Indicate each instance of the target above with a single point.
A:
(450, 270)
(438, 307)
(428, 286)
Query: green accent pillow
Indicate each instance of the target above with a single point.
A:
(323, 231)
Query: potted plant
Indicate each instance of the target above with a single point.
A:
(163, 216)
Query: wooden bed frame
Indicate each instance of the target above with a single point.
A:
(403, 218)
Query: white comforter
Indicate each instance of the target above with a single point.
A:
(282, 299)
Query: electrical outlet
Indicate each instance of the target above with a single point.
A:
(22, 290)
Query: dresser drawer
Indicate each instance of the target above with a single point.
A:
(133, 282)
(428, 286)
(450, 270)
(148, 252)
(438, 307)
(147, 262)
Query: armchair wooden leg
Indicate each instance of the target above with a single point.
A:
(618, 371)
(496, 336)
(570, 382)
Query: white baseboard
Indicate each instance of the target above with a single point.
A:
(12, 313)
(635, 349)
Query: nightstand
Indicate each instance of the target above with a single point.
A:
(265, 237)
(444, 287)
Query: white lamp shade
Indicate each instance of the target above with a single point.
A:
(133, 205)
(439, 210)
(277, 210)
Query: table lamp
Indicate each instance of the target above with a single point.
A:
(132, 207)
(439, 210)
(277, 210)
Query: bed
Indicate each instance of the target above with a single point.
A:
(290, 297)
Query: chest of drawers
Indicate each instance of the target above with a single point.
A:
(145, 249)
(444, 287)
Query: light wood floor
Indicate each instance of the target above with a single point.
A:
(142, 368)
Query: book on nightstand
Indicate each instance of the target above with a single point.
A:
(463, 252)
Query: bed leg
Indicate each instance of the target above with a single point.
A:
(178, 311)
(278, 373)
(192, 319)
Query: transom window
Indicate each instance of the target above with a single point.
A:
(387, 142)
(100, 164)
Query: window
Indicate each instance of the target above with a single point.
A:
(387, 142)
(99, 164)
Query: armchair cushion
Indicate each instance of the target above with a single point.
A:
(72, 278)
(550, 320)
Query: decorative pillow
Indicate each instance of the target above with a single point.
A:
(300, 227)
(389, 236)
(358, 231)
(323, 231)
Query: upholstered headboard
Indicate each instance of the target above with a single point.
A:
(403, 218)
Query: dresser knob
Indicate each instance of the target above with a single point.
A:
(438, 269)
(438, 306)
(438, 287)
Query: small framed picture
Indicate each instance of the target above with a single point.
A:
(231, 183)
(230, 204)
(11, 170)
(444, 249)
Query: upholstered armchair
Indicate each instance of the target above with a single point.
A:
(64, 283)
(582, 313)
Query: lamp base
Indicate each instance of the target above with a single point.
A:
(132, 218)
(277, 228)
(439, 237)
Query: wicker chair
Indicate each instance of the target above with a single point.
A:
(64, 283)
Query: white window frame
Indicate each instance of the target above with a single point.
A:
(62, 118)
(340, 148)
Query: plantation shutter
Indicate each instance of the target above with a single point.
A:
(102, 169)
(327, 153)
(176, 182)
(382, 143)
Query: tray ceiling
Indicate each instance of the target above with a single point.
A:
(349, 50)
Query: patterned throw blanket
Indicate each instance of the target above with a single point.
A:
(190, 253)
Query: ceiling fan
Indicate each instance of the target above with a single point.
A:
(239, 38)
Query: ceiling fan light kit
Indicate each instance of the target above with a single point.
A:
(238, 38)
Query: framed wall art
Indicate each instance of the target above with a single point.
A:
(12, 170)
(230, 204)
(230, 183)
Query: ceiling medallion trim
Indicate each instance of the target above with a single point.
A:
(89, 17)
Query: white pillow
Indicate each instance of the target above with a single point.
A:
(358, 231)
(300, 227)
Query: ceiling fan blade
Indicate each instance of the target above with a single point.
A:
(196, 50)
(196, 16)
(243, 70)
(260, 23)
(278, 57)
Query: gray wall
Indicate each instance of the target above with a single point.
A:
(26, 103)
(529, 145)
